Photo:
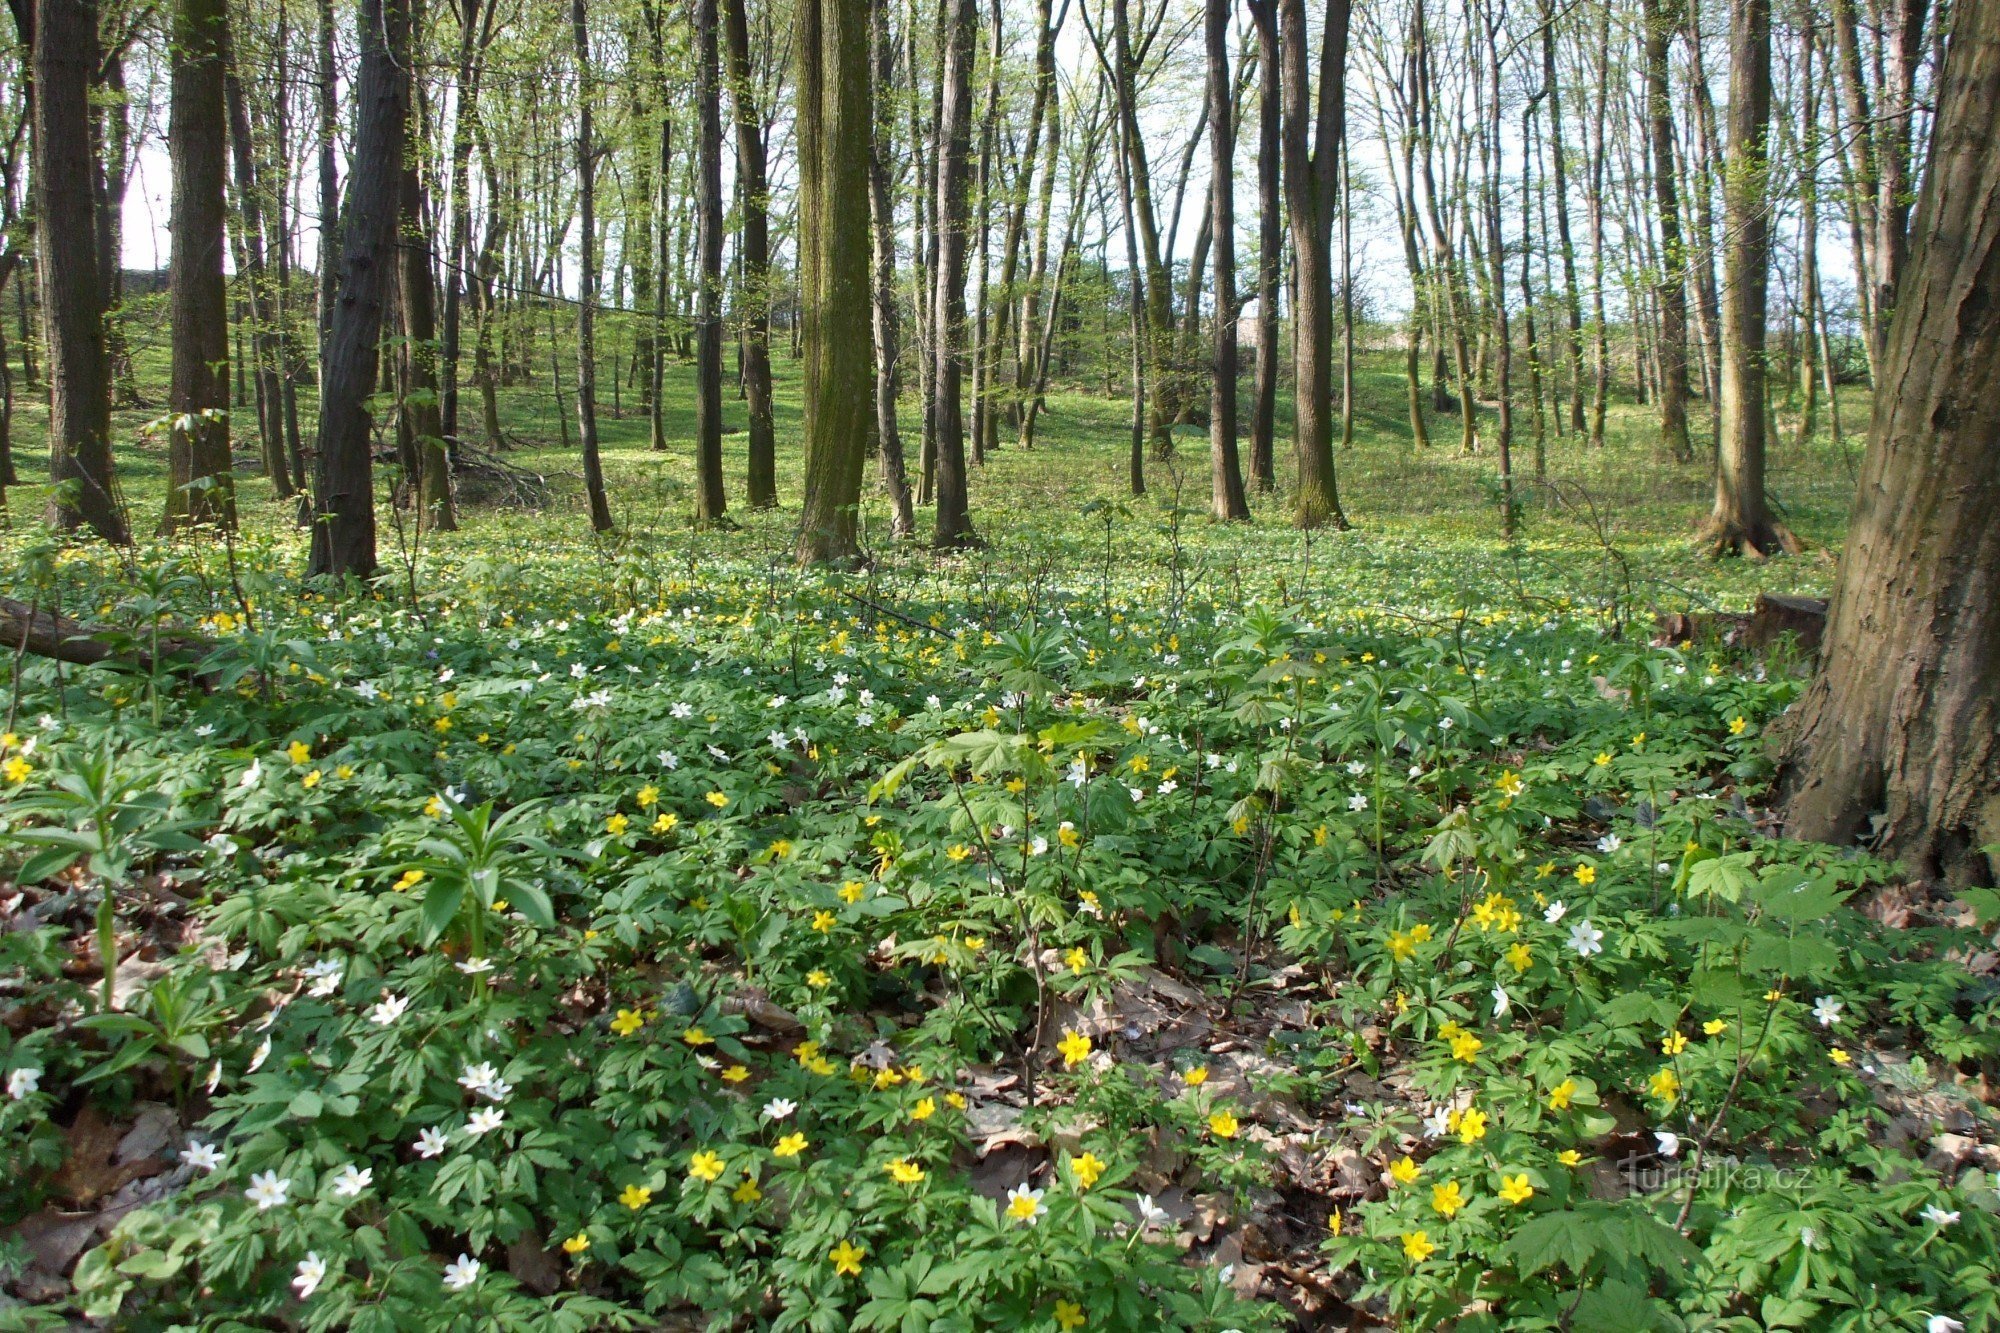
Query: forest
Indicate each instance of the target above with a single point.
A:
(1044, 664)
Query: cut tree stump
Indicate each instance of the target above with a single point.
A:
(1773, 617)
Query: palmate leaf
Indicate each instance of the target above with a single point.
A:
(1567, 1238)
(1574, 1237)
(1791, 956)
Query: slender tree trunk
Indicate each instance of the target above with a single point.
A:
(423, 414)
(588, 265)
(1572, 301)
(200, 487)
(1270, 245)
(1809, 295)
(475, 28)
(954, 145)
(1503, 342)
(1600, 378)
(656, 341)
(1226, 499)
(1661, 18)
(755, 256)
(888, 331)
(343, 528)
(1899, 734)
(1312, 169)
(270, 423)
(710, 501)
(1742, 519)
(328, 145)
(984, 427)
(836, 129)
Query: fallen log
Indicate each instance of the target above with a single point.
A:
(44, 633)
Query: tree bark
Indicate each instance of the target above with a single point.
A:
(343, 529)
(73, 311)
(1661, 19)
(423, 414)
(887, 324)
(754, 255)
(954, 142)
(1226, 499)
(200, 488)
(588, 267)
(711, 503)
(1741, 521)
(1312, 175)
(1899, 734)
(1270, 245)
(836, 130)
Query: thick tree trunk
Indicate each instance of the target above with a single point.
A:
(72, 296)
(1899, 735)
(343, 529)
(754, 256)
(200, 488)
(1226, 499)
(836, 129)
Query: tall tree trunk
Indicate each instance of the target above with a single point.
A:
(1270, 245)
(1809, 295)
(589, 266)
(200, 488)
(249, 193)
(1572, 301)
(754, 254)
(1901, 728)
(65, 46)
(1742, 519)
(1042, 111)
(1600, 371)
(1226, 499)
(1312, 173)
(656, 334)
(475, 27)
(954, 145)
(710, 501)
(328, 146)
(423, 414)
(343, 527)
(1503, 342)
(836, 130)
(1122, 65)
(887, 325)
(1662, 18)
(984, 426)
(1704, 168)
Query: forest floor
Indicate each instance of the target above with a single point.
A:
(1135, 923)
